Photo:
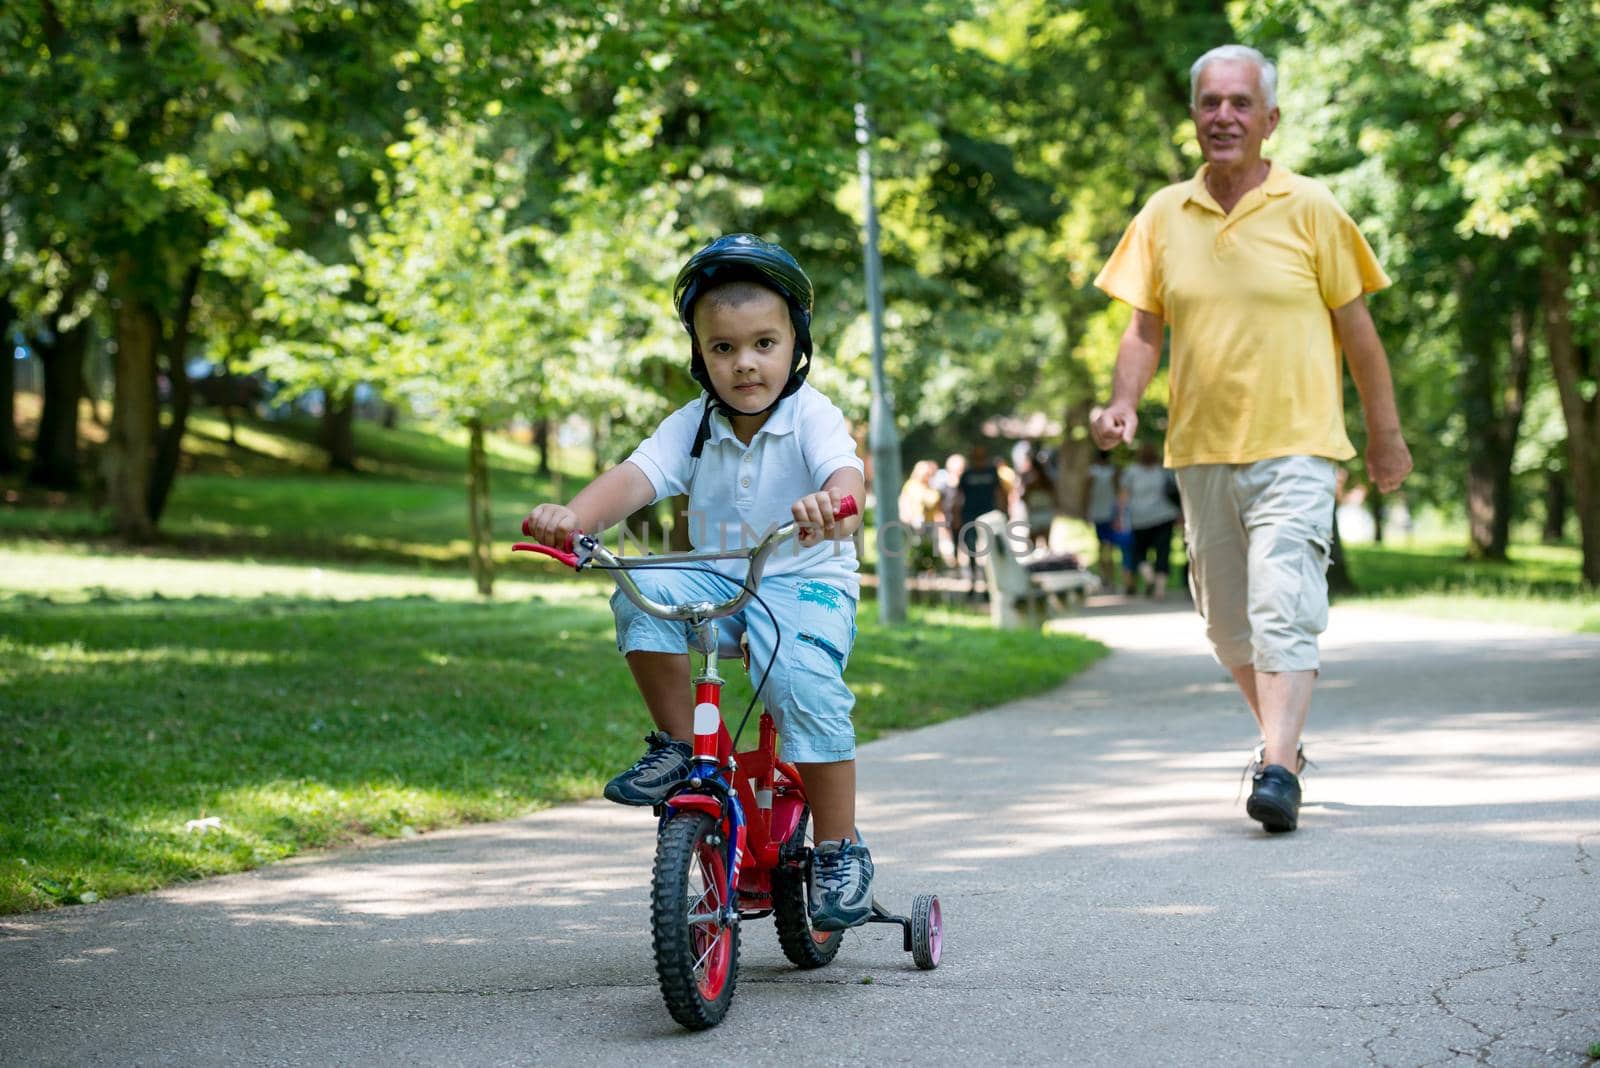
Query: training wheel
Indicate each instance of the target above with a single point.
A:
(927, 931)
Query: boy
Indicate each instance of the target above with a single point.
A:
(758, 448)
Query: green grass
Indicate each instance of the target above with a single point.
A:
(1541, 585)
(300, 721)
(268, 496)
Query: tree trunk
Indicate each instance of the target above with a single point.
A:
(541, 441)
(134, 416)
(169, 445)
(1073, 459)
(9, 460)
(1377, 509)
(479, 514)
(55, 445)
(339, 430)
(1555, 504)
(600, 432)
(1341, 582)
(1494, 412)
(1575, 373)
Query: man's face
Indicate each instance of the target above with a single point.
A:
(1230, 113)
(748, 348)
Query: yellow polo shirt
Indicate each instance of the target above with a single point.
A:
(1255, 365)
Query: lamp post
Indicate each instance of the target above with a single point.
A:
(883, 438)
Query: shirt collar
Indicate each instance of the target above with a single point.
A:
(1280, 182)
(781, 421)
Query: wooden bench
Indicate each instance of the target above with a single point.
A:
(1017, 595)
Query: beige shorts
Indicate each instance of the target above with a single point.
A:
(1258, 538)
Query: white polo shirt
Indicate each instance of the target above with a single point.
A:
(738, 492)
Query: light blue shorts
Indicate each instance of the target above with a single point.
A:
(816, 628)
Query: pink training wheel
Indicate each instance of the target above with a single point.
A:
(927, 931)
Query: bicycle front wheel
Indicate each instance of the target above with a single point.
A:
(696, 932)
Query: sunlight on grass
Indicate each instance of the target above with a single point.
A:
(81, 575)
(74, 657)
(1527, 611)
(260, 441)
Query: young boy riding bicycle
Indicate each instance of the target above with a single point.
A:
(759, 448)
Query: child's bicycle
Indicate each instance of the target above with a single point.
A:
(733, 840)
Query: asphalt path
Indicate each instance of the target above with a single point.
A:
(1106, 899)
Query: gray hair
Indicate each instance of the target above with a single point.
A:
(1234, 52)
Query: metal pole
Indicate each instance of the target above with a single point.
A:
(883, 438)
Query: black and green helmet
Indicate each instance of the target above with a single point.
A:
(746, 258)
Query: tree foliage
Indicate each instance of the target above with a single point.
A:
(478, 205)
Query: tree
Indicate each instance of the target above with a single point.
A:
(1484, 116)
(444, 268)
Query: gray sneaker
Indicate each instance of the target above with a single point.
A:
(653, 775)
(841, 885)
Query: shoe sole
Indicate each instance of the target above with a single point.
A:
(632, 802)
(828, 926)
(1275, 818)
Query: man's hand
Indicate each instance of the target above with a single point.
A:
(553, 525)
(1113, 425)
(1388, 460)
(814, 512)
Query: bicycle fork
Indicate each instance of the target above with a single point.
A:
(713, 746)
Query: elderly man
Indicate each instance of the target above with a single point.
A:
(1262, 277)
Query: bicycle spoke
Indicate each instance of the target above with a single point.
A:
(701, 900)
(711, 947)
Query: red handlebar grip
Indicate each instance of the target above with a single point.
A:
(567, 558)
(847, 508)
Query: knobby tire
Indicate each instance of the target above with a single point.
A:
(696, 963)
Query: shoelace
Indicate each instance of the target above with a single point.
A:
(660, 751)
(833, 869)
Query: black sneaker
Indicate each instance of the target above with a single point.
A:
(1258, 759)
(1275, 799)
(653, 776)
(841, 885)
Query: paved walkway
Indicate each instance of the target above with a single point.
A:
(1107, 900)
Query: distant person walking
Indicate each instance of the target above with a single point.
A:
(946, 480)
(1106, 512)
(1146, 494)
(1037, 488)
(978, 492)
(1261, 276)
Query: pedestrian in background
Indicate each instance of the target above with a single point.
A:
(1147, 494)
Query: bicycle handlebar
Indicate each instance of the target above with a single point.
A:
(589, 549)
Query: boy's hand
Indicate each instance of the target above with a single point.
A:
(814, 512)
(552, 525)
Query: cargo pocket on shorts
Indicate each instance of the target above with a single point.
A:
(1195, 585)
(827, 647)
(1313, 614)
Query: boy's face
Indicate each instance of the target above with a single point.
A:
(748, 346)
